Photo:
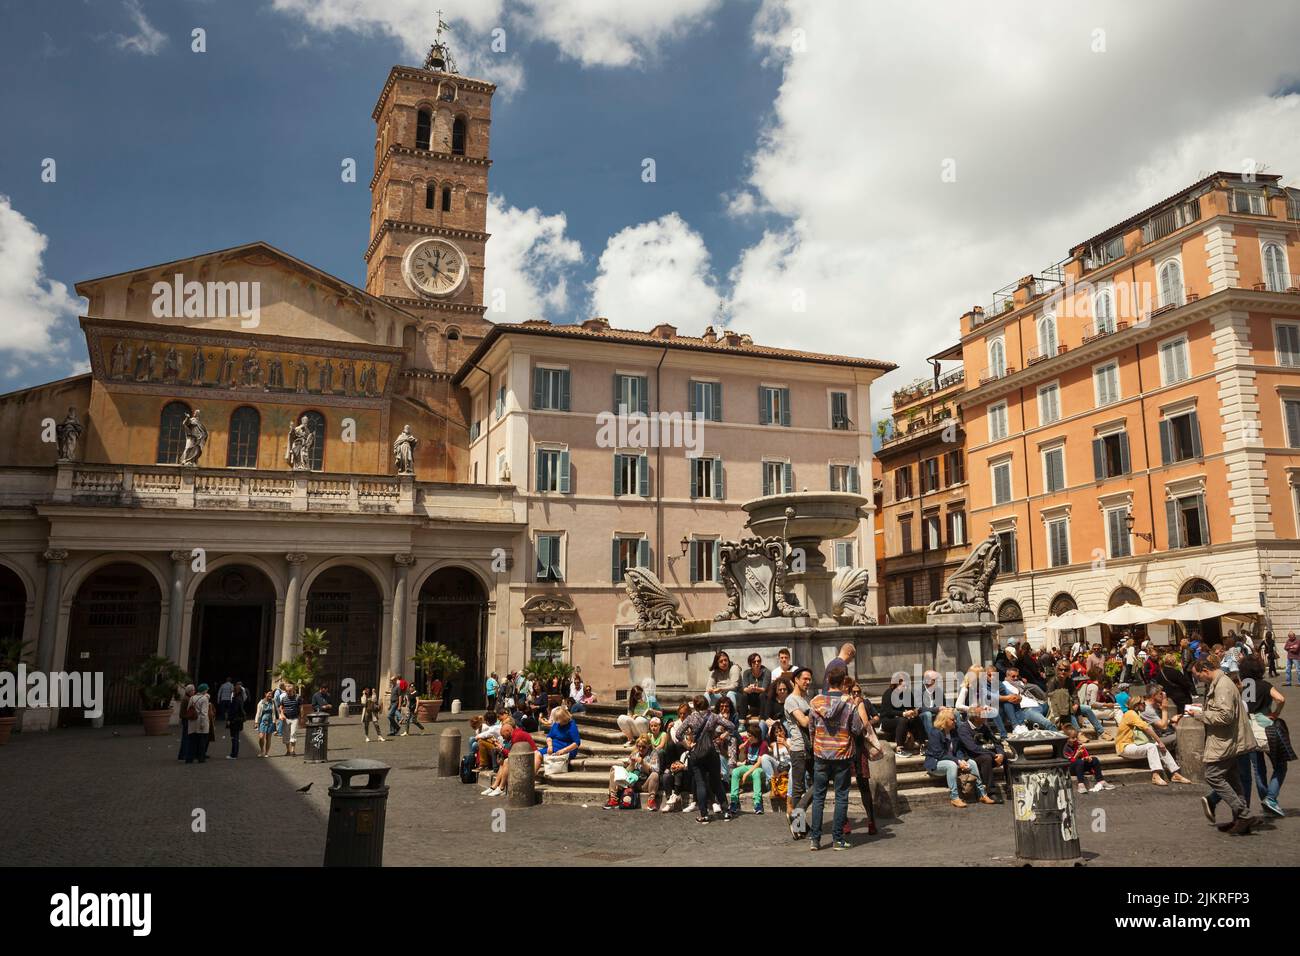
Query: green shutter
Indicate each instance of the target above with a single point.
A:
(717, 478)
(644, 398)
(855, 484)
(1205, 521)
(695, 562)
(830, 478)
(539, 482)
(618, 460)
(715, 551)
(764, 408)
(538, 391)
(767, 484)
(693, 393)
(1099, 458)
(1195, 425)
(564, 471)
(716, 388)
(618, 393)
(787, 477)
(616, 573)
(564, 390)
(1166, 442)
(785, 407)
(643, 552)
(643, 475)
(694, 465)
(1171, 524)
(543, 555)
(1125, 463)
(1292, 424)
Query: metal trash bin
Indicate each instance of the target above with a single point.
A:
(356, 824)
(1042, 800)
(318, 736)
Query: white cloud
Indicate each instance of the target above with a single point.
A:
(1052, 144)
(32, 305)
(147, 39)
(656, 272)
(527, 264)
(611, 32)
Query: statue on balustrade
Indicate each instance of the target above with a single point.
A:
(967, 589)
(66, 434)
(404, 451)
(302, 439)
(196, 436)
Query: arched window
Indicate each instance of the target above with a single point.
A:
(1061, 604)
(1275, 277)
(458, 136)
(1171, 283)
(1047, 335)
(430, 191)
(1009, 612)
(316, 422)
(1121, 596)
(1197, 588)
(423, 129)
(241, 447)
(1103, 313)
(171, 433)
(453, 335)
(446, 199)
(997, 359)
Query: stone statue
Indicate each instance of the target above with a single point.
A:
(252, 369)
(349, 378)
(301, 442)
(656, 609)
(171, 365)
(849, 596)
(404, 451)
(300, 376)
(275, 372)
(753, 572)
(119, 362)
(144, 364)
(66, 434)
(198, 366)
(967, 589)
(196, 436)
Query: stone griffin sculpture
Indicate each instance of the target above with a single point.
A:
(849, 596)
(656, 609)
(968, 587)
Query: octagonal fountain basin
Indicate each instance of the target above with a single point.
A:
(805, 515)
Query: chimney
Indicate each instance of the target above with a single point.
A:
(664, 331)
(746, 338)
(597, 324)
(710, 335)
(731, 338)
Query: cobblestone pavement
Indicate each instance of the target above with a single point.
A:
(112, 796)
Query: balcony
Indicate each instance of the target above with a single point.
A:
(1170, 221)
(993, 374)
(920, 389)
(1279, 283)
(1099, 330)
(1040, 353)
(920, 425)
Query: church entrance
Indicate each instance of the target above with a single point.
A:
(234, 614)
(453, 611)
(345, 603)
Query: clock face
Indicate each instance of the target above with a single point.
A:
(434, 267)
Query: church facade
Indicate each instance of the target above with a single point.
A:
(260, 447)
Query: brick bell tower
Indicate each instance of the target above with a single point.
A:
(428, 214)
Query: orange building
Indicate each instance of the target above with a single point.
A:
(1132, 415)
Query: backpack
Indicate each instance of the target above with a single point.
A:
(191, 712)
(703, 740)
(467, 774)
(832, 737)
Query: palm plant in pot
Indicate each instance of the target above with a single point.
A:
(12, 652)
(158, 681)
(300, 673)
(434, 660)
(312, 645)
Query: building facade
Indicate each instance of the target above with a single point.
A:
(1133, 415)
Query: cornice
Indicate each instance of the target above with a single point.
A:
(456, 159)
(397, 225)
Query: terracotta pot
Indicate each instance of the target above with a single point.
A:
(304, 712)
(428, 709)
(6, 728)
(155, 722)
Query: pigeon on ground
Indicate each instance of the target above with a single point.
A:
(306, 788)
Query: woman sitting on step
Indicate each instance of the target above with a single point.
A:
(1137, 740)
(638, 772)
(641, 706)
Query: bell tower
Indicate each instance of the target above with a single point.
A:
(428, 207)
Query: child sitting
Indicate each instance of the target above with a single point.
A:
(1081, 762)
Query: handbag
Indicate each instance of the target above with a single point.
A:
(1260, 730)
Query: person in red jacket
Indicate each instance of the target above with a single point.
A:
(1082, 762)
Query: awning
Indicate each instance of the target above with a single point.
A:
(1199, 609)
(1074, 620)
(1127, 615)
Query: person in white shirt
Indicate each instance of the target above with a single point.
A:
(783, 663)
(1018, 707)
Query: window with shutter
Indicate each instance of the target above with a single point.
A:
(1007, 552)
(1107, 384)
(840, 410)
(1047, 336)
(1288, 344)
(1001, 483)
(1054, 469)
(1103, 309)
(1275, 277)
(997, 421)
(1292, 423)
(1117, 532)
(1171, 283)
(1173, 361)
(1058, 539)
(1049, 407)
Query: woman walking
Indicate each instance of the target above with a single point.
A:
(371, 712)
(265, 723)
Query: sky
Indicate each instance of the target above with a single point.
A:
(832, 175)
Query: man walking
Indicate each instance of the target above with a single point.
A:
(835, 719)
(1228, 736)
(394, 705)
(1292, 656)
(224, 693)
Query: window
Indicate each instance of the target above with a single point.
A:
(621, 637)
(551, 389)
(706, 478)
(1105, 379)
(629, 552)
(1054, 469)
(546, 645)
(1007, 552)
(1103, 312)
(241, 447)
(1110, 455)
(903, 483)
(458, 136)
(1118, 539)
(844, 554)
(905, 534)
(1047, 336)
(909, 590)
(997, 358)
(1058, 542)
(778, 477)
(1187, 523)
(171, 433)
(502, 469)
(1049, 403)
(423, 129)
(316, 422)
(501, 402)
(1251, 201)
(1288, 343)
(932, 532)
(631, 394)
(446, 199)
(475, 429)
(632, 475)
(1180, 438)
(773, 405)
(954, 468)
(1275, 274)
(1173, 361)
(1001, 480)
(1171, 283)
(840, 411)
(844, 478)
(998, 421)
(935, 582)
(553, 469)
(704, 560)
(706, 400)
(1291, 412)
(430, 191)
(929, 475)
(548, 557)
(956, 528)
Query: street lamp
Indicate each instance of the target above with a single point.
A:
(686, 544)
(1145, 536)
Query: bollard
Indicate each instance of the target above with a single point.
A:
(884, 783)
(521, 788)
(455, 706)
(356, 824)
(1189, 736)
(449, 753)
(318, 734)
(1042, 801)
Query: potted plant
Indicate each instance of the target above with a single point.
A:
(158, 681)
(432, 659)
(12, 652)
(312, 645)
(299, 673)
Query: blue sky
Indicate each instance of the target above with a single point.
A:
(801, 147)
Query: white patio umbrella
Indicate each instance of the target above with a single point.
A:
(1127, 615)
(1073, 620)
(1198, 609)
